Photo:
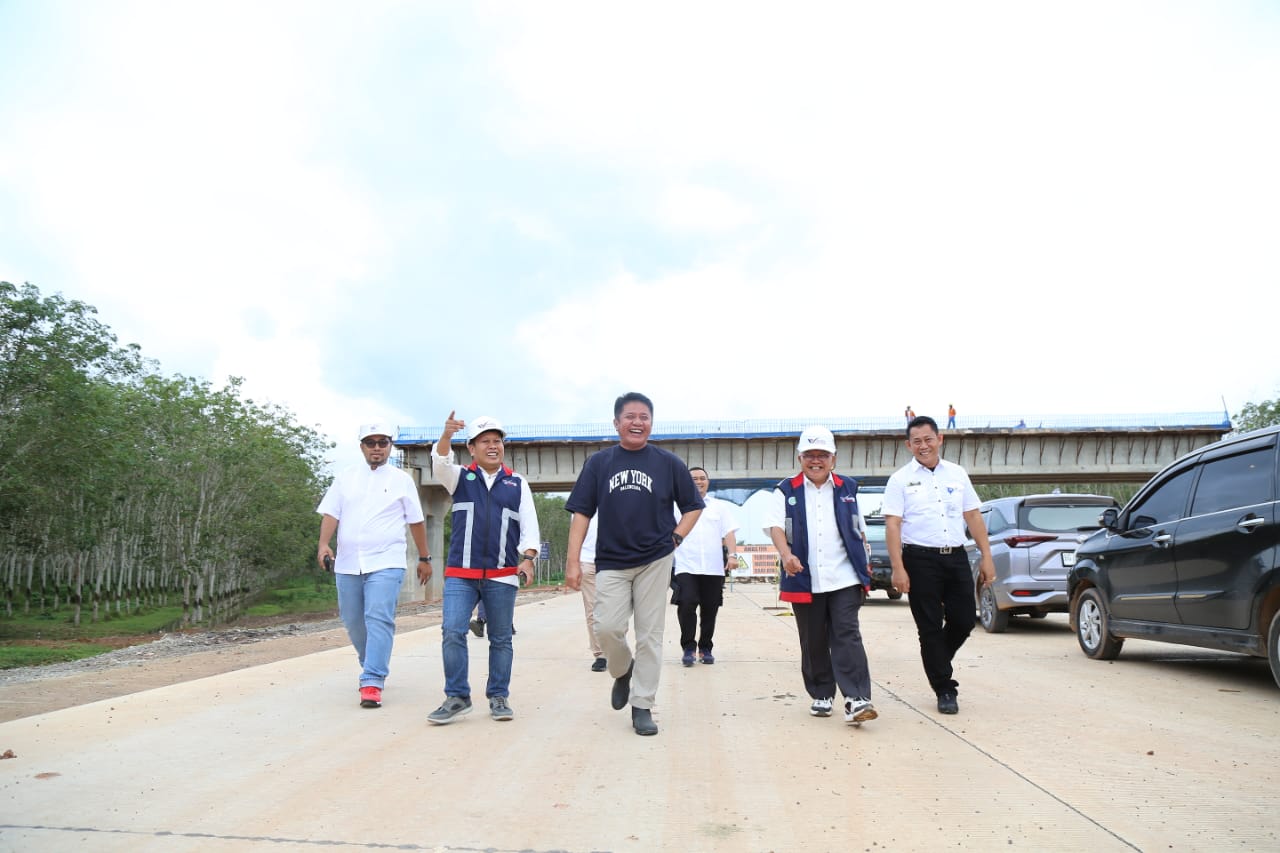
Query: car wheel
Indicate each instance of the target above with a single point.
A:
(1092, 629)
(993, 619)
(1273, 648)
(893, 594)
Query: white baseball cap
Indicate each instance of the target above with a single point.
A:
(376, 428)
(483, 424)
(816, 438)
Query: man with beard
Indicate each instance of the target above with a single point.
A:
(368, 506)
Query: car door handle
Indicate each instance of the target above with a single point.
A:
(1164, 540)
(1247, 525)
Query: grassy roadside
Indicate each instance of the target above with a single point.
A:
(36, 639)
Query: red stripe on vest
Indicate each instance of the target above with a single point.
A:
(479, 574)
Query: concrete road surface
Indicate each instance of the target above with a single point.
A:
(1167, 748)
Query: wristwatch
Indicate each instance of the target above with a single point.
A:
(676, 538)
(530, 557)
(424, 559)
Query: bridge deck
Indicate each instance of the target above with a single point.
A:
(776, 428)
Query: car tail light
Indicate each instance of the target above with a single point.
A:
(1027, 540)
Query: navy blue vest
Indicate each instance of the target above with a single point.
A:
(485, 537)
(799, 587)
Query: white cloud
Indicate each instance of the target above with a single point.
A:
(689, 207)
(757, 212)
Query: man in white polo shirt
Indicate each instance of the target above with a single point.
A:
(702, 560)
(368, 506)
(927, 504)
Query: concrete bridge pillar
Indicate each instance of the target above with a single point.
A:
(435, 503)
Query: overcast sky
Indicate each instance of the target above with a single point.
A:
(743, 210)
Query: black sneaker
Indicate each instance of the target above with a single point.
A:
(599, 665)
(622, 689)
(642, 721)
(687, 660)
(948, 704)
(453, 708)
(477, 627)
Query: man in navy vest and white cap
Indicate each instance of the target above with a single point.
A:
(814, 523)
(495, 539)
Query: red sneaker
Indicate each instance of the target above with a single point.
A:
(370, 697)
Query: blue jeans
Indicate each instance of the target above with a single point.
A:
(460, 597)
(367, 605)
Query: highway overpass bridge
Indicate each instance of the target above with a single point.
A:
(744, 456)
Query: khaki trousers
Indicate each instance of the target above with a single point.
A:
(589, 605)
(622, 594)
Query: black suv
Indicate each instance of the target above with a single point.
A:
(1193, 558)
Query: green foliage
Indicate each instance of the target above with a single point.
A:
(313, 593)
(120, 487)
(553, 523)
(1120, 491)
(12, 657)
(58, 625)
(1257, 415)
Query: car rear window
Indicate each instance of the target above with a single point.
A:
(1060, 519)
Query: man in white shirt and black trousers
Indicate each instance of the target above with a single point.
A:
(927, 504)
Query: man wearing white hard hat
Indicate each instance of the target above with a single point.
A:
(494, 542)
(368, 506)
(814, 523)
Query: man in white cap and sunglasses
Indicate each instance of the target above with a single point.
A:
(813, 521)
(368, 506)
(495, 539)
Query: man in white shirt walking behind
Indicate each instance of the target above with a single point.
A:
(701, 563)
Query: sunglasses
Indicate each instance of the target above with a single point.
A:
(375, 442)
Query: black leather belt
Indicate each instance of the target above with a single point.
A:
(946, 549)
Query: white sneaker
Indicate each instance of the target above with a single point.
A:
(820, 708)
(858, 711)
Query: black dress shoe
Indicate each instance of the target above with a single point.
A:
(622, 688)
(947, 703)
(642, 721)
(599, 665)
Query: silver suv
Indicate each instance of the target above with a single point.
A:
(1193, 558)
(1033, 543)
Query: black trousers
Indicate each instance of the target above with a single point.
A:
(831, 651)
(696, 593)
(942, 605)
